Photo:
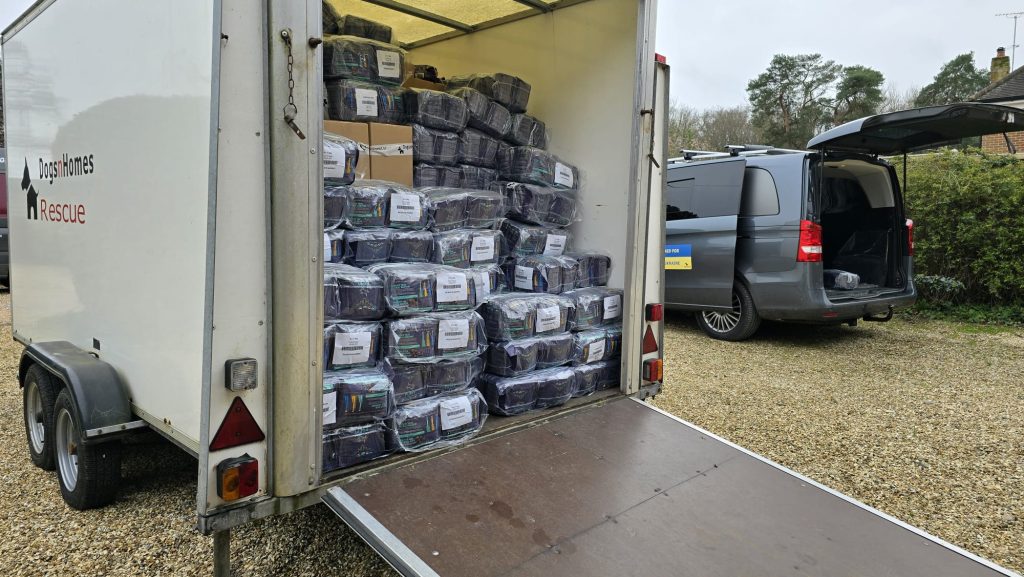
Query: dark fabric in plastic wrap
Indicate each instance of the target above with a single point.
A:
(408, 379)
(555, 387)
(446, 207)
(330, 18)
(610, 374)
(596, 307)
(536, 166)
(476, 177)
(527, 131)
(594, 268)
(485, 114)
(512, 358)
(341, 155)
(438, 110)
(542, 274)
(406, 208)
(349, 446)
(411, 246)
(516, 316)
(523, 239)
(435, 175)
(487, 280)
(452, 375)
(366, 247)
(477, 149)
(435, 336)
(414, 426)
(512, 92)
(589, 347)
(366, 204)
(483, 208)
(335, 203)
(334, 245)
(355, 26)
(486, 246)
(452, 248)
(451, 408)
(408, 288)
(434, 146)
(351, 344)
(351, 293)
(357, 101)
(509, 395)
(362, 59)
(554, 351)
(360, 395)
(587, 378)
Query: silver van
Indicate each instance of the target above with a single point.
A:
(816, 236)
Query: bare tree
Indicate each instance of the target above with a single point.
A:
(683, 128)
(894, 99)
(722, 126)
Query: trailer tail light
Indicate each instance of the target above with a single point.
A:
(241, 374)
(660, 58)
(238, 428)
(654, 370)
(809, 249)
(655, 312)
(910, 237)
(238, 477)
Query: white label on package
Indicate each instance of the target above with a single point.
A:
(327, 248)
(366, 102)
(524, 278)
(455, 413)
(405, 207)
(482, 280)
(334, 160)
(451, 287)
(453, 334)
(388, 64)
(330, 408)
(351, 348)
(595, 351)
(548, 319)
(563, 175)
(554, 245)
(612, 307)
(483, 248)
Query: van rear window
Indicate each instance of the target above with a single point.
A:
(760, 196)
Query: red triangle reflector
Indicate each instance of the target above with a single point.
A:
(650, 343)
(238, 428)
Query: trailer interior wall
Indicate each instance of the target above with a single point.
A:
(128, 279)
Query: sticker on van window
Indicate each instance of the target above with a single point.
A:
(678, 257)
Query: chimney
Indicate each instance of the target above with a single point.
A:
(1000, 65)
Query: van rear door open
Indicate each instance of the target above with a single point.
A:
(616, 488)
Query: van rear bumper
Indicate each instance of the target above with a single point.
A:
(819, 309)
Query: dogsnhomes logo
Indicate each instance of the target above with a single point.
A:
(38, 207)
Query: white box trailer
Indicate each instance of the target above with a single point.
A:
(168, 154)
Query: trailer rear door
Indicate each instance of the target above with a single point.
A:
(619, 488)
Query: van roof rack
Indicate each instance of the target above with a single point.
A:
(731, 150)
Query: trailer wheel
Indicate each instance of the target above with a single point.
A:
(89, 474)
(39, 396)
(736, 325)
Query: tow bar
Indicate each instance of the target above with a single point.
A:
(883, 319)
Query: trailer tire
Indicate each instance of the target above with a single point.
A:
(39, 395)
(736, 325)
(89, 473)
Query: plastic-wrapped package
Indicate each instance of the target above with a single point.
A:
(452, 375)
(485, 114)
(362, 59)
(408, 288)
(536, 273)
(355, 26)
(438, 110)
(570, 272)
(335, 202)
(330, 18)
(613, 342)
(596, 307)
(562, 211)
(509, 395)
(476, 177)
(840, 279)
(512, 358)
(454, 289)
(366, 204)
(435, 336)
(340, 156)
(611, 374)
(460, 416)
(486, 246)
(452, 248)
(510, 91)
(408, 379)
(348, 446)
(483, 208)
(406, 208)
(587, 378)
(414, 426)
(523, 239)
(554, 351)
(366, 247)
(533, 165)
(589, 347)
(334, 245)
(431, 175)
(411, 246)
(488, 279)
(528, 203)
(517, 316)
(554, 387)
(352, 293)
(358, 396)
(349, 345)
(359, 101)
(503, 160)
(446, 208)
(477, 148)
(434, 146)
(594, 268)
(527, 131)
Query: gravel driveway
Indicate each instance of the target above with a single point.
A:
(936, 441)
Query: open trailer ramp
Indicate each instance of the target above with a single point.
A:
(619, 488)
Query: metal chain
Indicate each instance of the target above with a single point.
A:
(290, 109)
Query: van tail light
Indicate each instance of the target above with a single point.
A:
(655, 312)
(910, 237)
(238, 477)
(809, 249)
(238, 428)
(654, 370)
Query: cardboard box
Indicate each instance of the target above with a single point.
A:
(391, 153)
(413, 82)
(359, 132)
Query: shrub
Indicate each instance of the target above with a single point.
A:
(939, 289)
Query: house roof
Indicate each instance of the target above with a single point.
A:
(1010, 87)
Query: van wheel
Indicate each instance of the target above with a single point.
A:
(89, 474)
(39, 396)
(736, 325)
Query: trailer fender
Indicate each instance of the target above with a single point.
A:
(99, 394)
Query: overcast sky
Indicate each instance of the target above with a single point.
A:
(716, 47)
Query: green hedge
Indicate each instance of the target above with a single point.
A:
(968, 211)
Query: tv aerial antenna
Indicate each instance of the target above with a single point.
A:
(1013, 47)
